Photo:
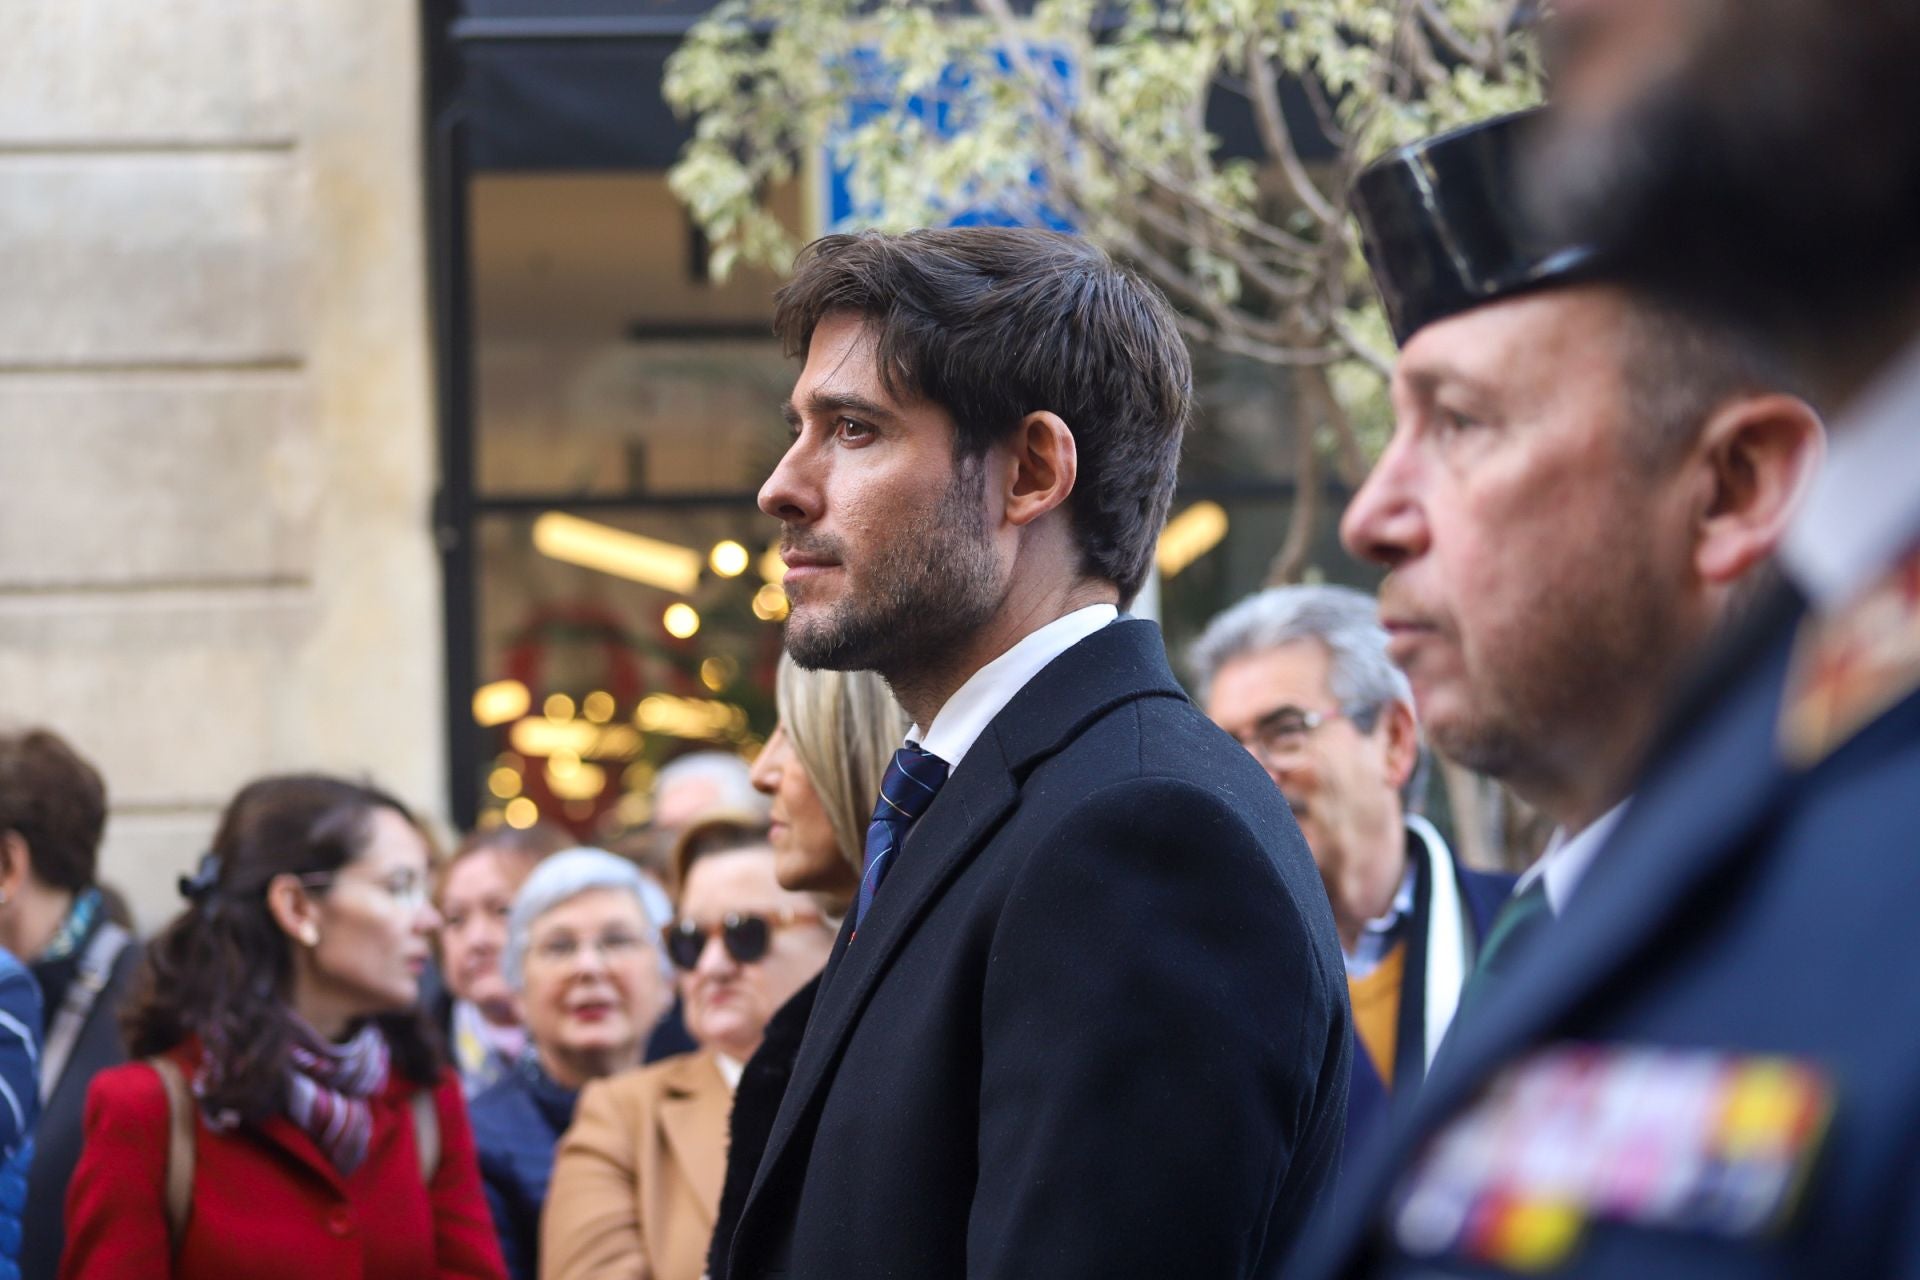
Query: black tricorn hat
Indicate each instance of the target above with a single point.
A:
(1445, 226)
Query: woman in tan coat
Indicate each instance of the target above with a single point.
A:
(636, 1182)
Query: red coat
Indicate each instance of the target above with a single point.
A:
(266, 1202)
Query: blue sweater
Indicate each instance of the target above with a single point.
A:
(516, 1124)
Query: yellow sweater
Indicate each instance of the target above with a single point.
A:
(1376, 1009)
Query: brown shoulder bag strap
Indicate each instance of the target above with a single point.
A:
(180, 1109)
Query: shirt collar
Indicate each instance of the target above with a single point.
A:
(1401, 906)
(974, 705)
(1863, 508)
(1567, 857)
(1378, 935)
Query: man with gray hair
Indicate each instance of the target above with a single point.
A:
(691, 787)
(1300, 676)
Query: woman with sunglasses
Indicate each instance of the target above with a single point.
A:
(583, 963)
(291, 1113)
(637, 1178)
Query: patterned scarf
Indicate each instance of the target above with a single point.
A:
(74, 930)
(328, 1087)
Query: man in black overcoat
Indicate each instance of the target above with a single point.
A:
(1088, 1015)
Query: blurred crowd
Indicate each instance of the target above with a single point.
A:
(454, 1034)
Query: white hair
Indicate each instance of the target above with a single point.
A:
(1345, 621)
(1362, 679)
(731, 777)
(562, 878)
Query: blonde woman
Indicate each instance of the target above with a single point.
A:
(822, 767)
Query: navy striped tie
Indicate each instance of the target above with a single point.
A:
(913, 779)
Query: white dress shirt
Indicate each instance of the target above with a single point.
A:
(987, 691)
(1568, 856)
(1863, 510)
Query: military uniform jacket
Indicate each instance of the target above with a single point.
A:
(1095, 1023)
(1711, 1067)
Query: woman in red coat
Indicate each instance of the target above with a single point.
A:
(287, 995)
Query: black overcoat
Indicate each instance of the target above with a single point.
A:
(1095, 1024)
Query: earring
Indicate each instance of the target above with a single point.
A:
(310, 936)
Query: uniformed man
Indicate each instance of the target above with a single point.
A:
(1580, 490)
(1750, 953)
(1300, 677)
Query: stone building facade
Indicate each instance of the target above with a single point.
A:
(216, 421)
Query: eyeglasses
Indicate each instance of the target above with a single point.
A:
(1280, 737)
(406, 890)
(745, 935)
(563, 949)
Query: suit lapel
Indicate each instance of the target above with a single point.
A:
(1692, 817)
(693, 1107)
(1119, 663)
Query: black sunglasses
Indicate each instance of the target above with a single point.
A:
(745, 935)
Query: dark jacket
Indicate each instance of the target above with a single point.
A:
(1095, 1023)
(58, 1136)
(1748, 923)
(516, 1124)
(756, 1103)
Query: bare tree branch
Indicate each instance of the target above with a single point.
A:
(1271, 121)
(1171, 183)
(1311, 396)
(1477, 53)
(1381, 363)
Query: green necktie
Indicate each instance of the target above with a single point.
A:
(1520, 920)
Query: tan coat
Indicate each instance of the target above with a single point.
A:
(636, 1180)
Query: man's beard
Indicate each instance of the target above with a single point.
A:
(920, 598)
(1577, 680)
(1774, 181)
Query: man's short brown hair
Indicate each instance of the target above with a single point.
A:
(994, 323)
(55, 801)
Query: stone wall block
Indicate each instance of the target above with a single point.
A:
(151, 259)
(175, 696)
(100, 72)
(123, 481)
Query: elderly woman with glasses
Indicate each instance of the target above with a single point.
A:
(583, 961)
(291, 1115)
(636, 1183)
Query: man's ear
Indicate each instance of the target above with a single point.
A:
(1403, 742)
(1043, 463)
(1760, 453)
(15, 863)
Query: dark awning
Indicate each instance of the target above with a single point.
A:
(575, 85)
